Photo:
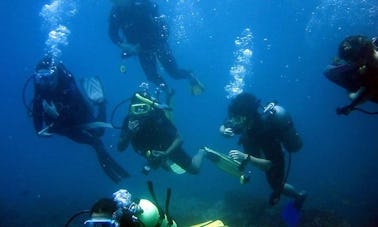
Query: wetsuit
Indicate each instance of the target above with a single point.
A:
(153, 131)
(74, 113)
(139, 23)
(266, 139)
(72, 107)
(350, 77)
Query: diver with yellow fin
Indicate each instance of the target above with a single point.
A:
(153, 136)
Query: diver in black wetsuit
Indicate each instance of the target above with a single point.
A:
(358, 73)
(263, 137)
(138, 29)
(153, 136)
(60, 108)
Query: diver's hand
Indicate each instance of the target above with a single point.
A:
(45, 134)
(129, 49)
(163, 106)
(50, 109)
(344, 110)
(45, 131)
(227, 132)
(238, 155)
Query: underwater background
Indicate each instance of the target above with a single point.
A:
(45, 181)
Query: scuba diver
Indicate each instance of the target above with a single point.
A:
(153, 136)
(263, 137)
(138, 29)
(358, 73)
(124, 211)
(58, 107)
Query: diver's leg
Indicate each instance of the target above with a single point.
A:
(110, 167)
(289, 191)
(148, 63)
(181, 158)
(198, 158)
(275, 177)
(168, 61)
(298, 196)
(101, 116)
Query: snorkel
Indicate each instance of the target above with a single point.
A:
(152, 102)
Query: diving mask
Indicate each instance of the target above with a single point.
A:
(46, 77)
(140, 108)
(101, 222)
(233, 125)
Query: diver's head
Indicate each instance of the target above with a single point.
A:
(102, 214)
(242, 112)
(104, 208)
(141, 104)
(46, 74)
(356, 49)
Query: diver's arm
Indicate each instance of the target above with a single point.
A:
(357, 98)
(128, 49)
(260, 163)
(174, 145)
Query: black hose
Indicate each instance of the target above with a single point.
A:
(288, 169)
(27, 106)
(76, 215)
(114, 111)
(365, 111)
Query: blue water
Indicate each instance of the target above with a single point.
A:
(45, 181)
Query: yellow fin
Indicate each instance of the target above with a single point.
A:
(216, 223)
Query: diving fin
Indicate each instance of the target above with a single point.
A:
(93, 89)
(216, 223)
(96, 124)
(196, 87)
(227, 164)
(290, 214)
(111, 168)
(292, 211)
(173, 167)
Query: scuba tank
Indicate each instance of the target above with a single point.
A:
(277, 116)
